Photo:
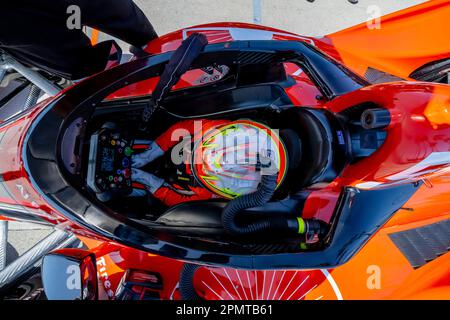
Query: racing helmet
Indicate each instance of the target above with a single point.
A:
(230, 159)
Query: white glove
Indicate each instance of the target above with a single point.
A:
(144, 158)
(150, 181)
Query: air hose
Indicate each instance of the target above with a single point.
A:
(289, 226)
(258, 198)
(186, 285)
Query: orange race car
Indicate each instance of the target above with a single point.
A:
(311, 168)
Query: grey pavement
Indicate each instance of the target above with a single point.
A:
(24, 235)
(299, 16)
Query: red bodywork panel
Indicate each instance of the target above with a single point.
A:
(16, 189)
(420, 128)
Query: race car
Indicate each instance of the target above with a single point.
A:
(363, 211)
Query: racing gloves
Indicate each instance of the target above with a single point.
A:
(153, 152)
(150, 181)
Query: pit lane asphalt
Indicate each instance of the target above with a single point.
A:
(299, 16)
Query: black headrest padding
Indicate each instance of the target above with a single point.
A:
(293, 146)
(315, 145)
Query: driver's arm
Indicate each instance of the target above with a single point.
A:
(194, 128)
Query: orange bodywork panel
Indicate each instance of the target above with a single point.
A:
(402, 42)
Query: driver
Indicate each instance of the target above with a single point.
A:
(212, 159)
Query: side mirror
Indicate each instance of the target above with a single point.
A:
(70, 274)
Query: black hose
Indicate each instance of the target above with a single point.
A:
(186, 285)
(258, 198)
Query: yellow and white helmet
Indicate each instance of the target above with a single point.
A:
(230, 159)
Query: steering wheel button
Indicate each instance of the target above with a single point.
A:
(128, 151)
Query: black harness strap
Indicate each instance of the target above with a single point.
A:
(179, 64)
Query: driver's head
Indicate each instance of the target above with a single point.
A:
(231, 159)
